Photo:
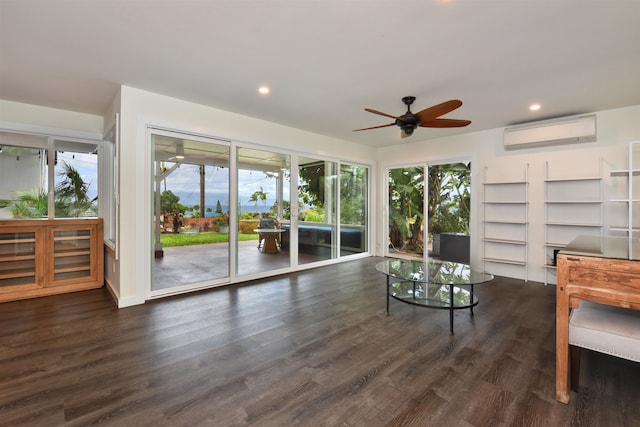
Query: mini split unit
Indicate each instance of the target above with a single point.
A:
(565, 130)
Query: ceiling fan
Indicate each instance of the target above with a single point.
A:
(429, 117)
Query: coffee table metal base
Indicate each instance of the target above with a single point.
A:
(442, 297)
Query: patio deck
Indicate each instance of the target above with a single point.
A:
(198, 263)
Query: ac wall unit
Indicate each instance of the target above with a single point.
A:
(565, 130)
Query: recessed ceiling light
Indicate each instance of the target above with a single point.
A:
(534, 107)
(263, 90)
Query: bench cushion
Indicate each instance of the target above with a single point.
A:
(606, 329)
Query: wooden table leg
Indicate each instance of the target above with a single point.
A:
(562, 334)
(270, 246)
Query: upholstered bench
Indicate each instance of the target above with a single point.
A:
(603, 328)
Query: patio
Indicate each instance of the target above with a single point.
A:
(182, 265)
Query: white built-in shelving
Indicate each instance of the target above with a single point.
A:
(506, 225)
(573, 207)
(629, 200)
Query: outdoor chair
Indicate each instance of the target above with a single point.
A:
(267, 223)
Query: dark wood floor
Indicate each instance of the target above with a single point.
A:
(313, 348)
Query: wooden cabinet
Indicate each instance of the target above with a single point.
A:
(46, 257)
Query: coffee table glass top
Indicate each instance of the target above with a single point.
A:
(429, 283)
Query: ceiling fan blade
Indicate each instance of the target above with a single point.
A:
(445, 123)
(438, 110)
(381, 113)
(375, 127)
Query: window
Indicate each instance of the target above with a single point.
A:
(46, 177)
(109, 188)
(353, 209)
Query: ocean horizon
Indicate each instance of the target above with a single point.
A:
(225, 209)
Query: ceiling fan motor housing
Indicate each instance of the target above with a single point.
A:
(408, 122)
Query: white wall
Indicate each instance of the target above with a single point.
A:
(50, 121)
(140, 109)
(131, 274)
(112, 266)
(615, 129)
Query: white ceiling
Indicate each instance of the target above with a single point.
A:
(327, 60)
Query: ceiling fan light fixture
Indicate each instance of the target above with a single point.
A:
(180, 151)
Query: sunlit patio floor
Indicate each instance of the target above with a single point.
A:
(184, 265)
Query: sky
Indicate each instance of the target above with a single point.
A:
(185, 183)
(85, 164)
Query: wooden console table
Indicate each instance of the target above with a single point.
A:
(41, 257)
(605, 270)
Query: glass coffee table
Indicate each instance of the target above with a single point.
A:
(433, 284)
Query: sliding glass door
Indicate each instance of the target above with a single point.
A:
(353, 209)
(449, 211)
(191, 211)
(317, 210)
(263, 211)
(430, 214)
(223, 211)
(406, 211)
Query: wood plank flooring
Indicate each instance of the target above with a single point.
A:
(312, 348)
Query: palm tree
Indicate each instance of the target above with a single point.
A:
(71, 198)
(31, 203)
(72, 194)
(259, 195)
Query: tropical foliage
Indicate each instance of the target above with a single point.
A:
(72, 195)
(169, 202)
(448, 204)
(259, 195)
(31, 203)
(406, 198)
(71, 198)
(353, 198)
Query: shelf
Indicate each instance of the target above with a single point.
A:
(16, 241)
(506, 225)
(506, 183)
(568, 214)
(630, 198)
(18, 272)
(506, 241)
(71, 238)
(555, 245)
(17, 257)
(572, 224)
(506, 202)
(505, 261)
(76, 267)
(623, 228)
(625, 172)
(565, 180)
(67, 253)
(572, 202)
